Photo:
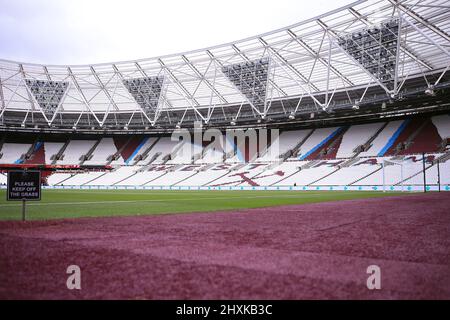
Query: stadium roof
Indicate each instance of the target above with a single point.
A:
(344, 57)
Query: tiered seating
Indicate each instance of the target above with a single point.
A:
(203, 177)
(399, 139)
(239, 154)
(58, 178)
(126, 148)
(13, 151)
(286, 141)
(175, 163)
(104, 149)
(37, 155)
(275, 174)
(51, 149)
(185, 152)
(382, 141)
(431, 175)
(392, 173)
(141, 178)
(355, 136)
(113, 177)
(442, 124)
(346, 176)
(327, 149)
(236, 177)
(82, 178)
(163, 148)
(212, 155)
(75, 150)
(171, 178)
(142, 149)
(3, 178)
(307, 176)
(315, 141)
(425, 139)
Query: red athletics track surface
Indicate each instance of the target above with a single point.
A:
(312, 251)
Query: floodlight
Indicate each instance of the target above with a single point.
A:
(430, 91)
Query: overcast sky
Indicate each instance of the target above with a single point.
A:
(91, 31)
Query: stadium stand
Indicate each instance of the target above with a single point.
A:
(315, 141)
(142, 150)
(12, 152)
(287, 143)
(383, 141)
(300, 159)
(51, 150)
(161, 151)
(58, 178)
(111, 178)
(80, 179)
(103, 152)
(356, 138)
(442, 124)
(75, 151)
(3, 178)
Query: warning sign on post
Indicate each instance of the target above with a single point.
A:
(24, 185)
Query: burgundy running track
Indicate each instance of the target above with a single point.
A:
(312, 251)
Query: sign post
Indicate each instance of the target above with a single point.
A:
(24, 186)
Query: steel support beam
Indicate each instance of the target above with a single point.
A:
(102, 86)
(178, 83)
(83, 97)
(418, 18)
(30, 96)
(317, 55)
(287, 64)
(203, 78)
(2, 96)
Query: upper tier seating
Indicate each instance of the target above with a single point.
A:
(51, 149)
(13, 151)
(75, 149)
(314, 141)
(104, 149)
(144, 145)
(163, 148)
(286, 141)
(185, 153)
(355, 136)
(381, 141)
(442, 123)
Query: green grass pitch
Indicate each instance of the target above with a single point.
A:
(57, 204)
